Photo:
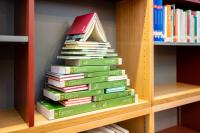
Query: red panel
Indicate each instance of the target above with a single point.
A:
(24, 60)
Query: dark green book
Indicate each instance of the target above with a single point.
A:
(56, 95)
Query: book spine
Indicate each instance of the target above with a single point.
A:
(74, 110)
(106, 73)
(111, 84)
(115, 102)
(97, 62)
(113, 95)
(116, 89)
(71, 70)
(198, 26)
(49, 93)
(86, 81)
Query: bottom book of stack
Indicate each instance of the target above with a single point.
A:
(114, 128)
(54, 110)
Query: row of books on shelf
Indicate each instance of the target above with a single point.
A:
(175, 25)
(113, 128)
(88, 78)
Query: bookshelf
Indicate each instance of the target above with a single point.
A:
(16, 44)
(165, 75)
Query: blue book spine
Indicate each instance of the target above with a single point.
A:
(155, 20)
(117, 89)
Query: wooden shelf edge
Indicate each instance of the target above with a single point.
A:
(176, 44)
(177, 129)
(11, 121)
(13, 38)
(172, 104)
(91, 120)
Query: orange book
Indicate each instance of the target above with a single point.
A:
(169, 23)
(176, 27)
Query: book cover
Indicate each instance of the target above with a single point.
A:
(111, 84)
(59, 96)
(81, 24)
(78, 69)
(114, 95)
(94, 62)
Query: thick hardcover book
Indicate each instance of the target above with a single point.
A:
(59, 96)
(114, 90)
(114, 95)
(62, 84)
(76, 69)
(94, 62)
(53, 110)
(111, 84)
(106, 73)
(77, 82)
(70, 88)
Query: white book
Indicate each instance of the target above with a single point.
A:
(113, 129)
(179, 24)
(85, 48)
(78, 57)
(86, 42)
(120, 128)
(198, 26)
(165, 24)
(100, 130)
(121, 77)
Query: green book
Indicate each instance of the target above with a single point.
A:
(110, 84)
(94, 62)
(115, 89)
(53, 110)
(102, 97)
(85, 80)
(75, 69)
(106, 73)
(59, 96)
(115, 102)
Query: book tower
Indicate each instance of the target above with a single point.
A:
(89, 79)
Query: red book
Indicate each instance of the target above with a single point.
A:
(81, 23)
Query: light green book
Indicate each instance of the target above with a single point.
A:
(53, 110)
(94, 62)
(115, 102)
(62, 84)
(59, 96)
(75, 69)
(111, 84)
(102, 97)
(106, 73)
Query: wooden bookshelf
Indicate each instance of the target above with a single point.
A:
(174, 95)
(12, 121)
(90, 120)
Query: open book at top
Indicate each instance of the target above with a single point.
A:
(87, 28)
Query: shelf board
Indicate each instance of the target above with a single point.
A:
(7, 38)
(90, 120)
(174, 95)
(177, 129)
(175, 44)
(11, 121)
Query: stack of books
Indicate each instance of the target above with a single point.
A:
(114, 128)
(175, 25)
(89, 78)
